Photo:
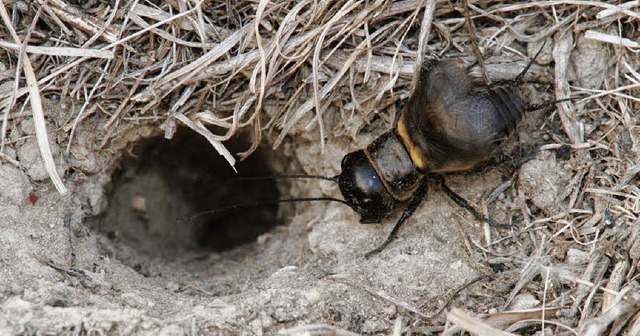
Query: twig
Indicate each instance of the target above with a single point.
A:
(36, 106)
(60, 51)
(465, 322)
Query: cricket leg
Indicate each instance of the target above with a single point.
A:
(464, 203)
(408, 211)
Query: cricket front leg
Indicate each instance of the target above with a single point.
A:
(408, 211)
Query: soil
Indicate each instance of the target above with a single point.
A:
(125, 251)
(117, 255)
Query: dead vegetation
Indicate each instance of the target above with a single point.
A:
(323, 70)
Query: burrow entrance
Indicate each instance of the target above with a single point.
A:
(161, 189)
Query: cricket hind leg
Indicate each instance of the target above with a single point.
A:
(520, 77)
(518, 80)
(547, 105)
(514, 159)
(463, 202)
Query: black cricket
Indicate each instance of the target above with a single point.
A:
(448, 125)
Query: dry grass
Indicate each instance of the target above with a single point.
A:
(328, 68)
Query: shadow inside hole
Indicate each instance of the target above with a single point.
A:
(162, 184)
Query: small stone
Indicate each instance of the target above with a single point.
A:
(524, 302)
(28, 127)
(172, 286)
(15, 289)
(577, 257)
(172, 330)
(15, 185)
(256, 327)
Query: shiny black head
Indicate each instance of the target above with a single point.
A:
(363, 189)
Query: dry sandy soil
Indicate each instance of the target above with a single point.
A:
(128, 250)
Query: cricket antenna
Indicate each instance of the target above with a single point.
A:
(287, 176)
(260, 203)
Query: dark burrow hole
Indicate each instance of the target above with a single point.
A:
(161, 185)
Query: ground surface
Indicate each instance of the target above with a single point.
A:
(126, 252)
(61, 272)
